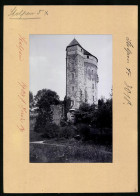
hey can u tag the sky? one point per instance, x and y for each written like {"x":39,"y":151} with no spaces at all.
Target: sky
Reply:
{"x":48,"y":61}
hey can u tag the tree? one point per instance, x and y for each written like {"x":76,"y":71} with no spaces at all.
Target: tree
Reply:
{"x":31,"y":99}
{"x":85,"y":113}
{"x":111,"y":94}
{"x":104,"y":114}
{"x":67,"y":105}
{"x":39,"y":94}
{"x":100,"y":116}
{"x":44,"y":99}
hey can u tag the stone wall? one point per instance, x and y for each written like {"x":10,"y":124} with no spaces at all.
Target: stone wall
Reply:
{"x":58,"y":113}
{"x":72,"y":76}
{"x":91,"y":82}
{"x":81,"y":82}
{"x":81,"y":76}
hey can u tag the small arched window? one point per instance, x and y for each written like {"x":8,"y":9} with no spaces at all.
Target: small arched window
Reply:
{"x":72,"y":76}
{"x":89,"y":74}
{"x":72,"y":88}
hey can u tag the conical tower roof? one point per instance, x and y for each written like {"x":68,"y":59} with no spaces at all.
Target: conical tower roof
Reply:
{"x":73,"y":43}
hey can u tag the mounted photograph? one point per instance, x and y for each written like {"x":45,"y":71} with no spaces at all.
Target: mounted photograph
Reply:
{"x":70,"y":99}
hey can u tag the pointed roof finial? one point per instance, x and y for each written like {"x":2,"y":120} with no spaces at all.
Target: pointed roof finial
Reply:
{"x":74,"y":42}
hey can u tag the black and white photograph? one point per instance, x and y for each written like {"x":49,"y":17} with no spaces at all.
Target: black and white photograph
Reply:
{"x":70,"y":98}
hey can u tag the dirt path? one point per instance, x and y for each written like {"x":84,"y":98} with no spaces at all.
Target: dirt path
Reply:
{"x":62,"y":145}
{"x":42,"y":142}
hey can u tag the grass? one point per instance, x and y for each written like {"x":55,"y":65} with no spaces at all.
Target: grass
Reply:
{"x":69,"y":151}
{"x":97,"y":149}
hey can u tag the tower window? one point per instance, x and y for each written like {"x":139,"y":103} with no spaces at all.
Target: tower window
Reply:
{"x":93,"y":98}
{"x":72,"y":88}
{"x":92,"y":75}
{"x":87,"y":57}
{"x":72,"y":76}
{"x":89,"y":74}
{"x":92,"y":86}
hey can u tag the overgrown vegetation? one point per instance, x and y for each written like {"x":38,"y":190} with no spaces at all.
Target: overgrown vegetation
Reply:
{"x":87,"y":117}
{"x":89,"y":139}
{"x":96,"y":116}
{"x":44,"y":100}
{"x":69,"y":151}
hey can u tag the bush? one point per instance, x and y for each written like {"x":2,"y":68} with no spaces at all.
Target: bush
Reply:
{"x":63,"y":123}
{"x":50,"y":130}
{"x":68,"y":132}
{"x":104,"y":115}
{"x":84,"y":131}
{"x":83,"y":114}
{"x":100,"y":117}
{"x":53,"y":131}
{"x":45,"y":98}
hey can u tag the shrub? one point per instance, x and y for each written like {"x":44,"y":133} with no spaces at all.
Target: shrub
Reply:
{"x":63,"y":123}
{"x":84,"y":131}
{"x":50,"y":130}
{"x":104,"y":114}
{"x":83,"y":115}
{"x":68,"y":132}
{"x":45,"y":98}
{"x":100,"y":117}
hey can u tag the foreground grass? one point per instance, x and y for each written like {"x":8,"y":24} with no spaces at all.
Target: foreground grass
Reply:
{"x":69,"y":151}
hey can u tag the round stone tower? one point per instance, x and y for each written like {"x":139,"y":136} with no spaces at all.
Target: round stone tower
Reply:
{"x":81,"y":75}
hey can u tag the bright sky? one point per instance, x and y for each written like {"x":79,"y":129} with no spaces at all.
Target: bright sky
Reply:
{"x":48,"y":61}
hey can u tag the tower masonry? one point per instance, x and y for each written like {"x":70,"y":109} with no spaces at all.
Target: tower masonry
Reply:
{"x":81,"y":75}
